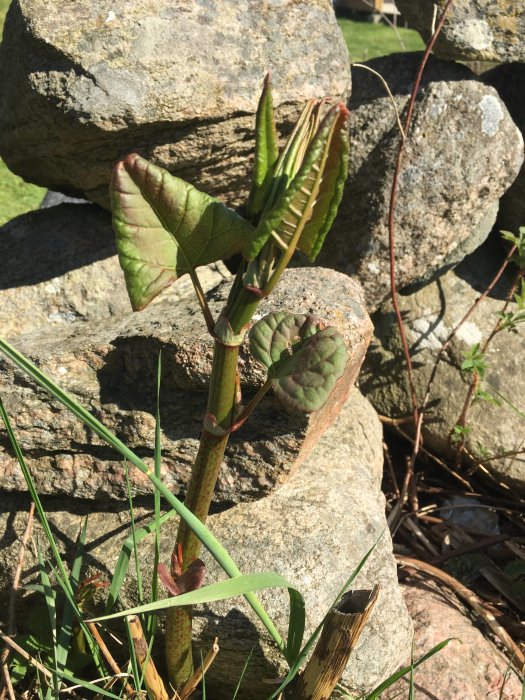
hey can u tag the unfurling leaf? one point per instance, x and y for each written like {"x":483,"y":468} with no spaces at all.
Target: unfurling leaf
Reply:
{"x":166,"y":227}
{"x":304,"y":359}
{"x":190,"y":580}
{"x":317,"y":161}
{"x":266,"y":152}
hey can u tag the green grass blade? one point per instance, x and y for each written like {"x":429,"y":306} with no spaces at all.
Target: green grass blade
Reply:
{"x":508,"y":402}
{"x":121,"y":567}
{"x":221,"y":590}
{"x":296,"y":625}
{"x":203,"y":683}
{"x":243,"y":673}
{"x":61,"y":573}
{"x":49,"y":596}
{"x":92,"y":687}
{"x":411,"y":689}
{"x":296,"y":664}
{"x":151,"y":625}
{"x":376,"y":693}
{"x":33,"y":493}
{"x":66,"y":628}
{"x":138,"y":676}
{"x":71,"y":601}
{"x":138,"y":573}
{"x":211,"y":543}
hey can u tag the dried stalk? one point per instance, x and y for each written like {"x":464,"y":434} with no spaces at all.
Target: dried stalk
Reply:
{"x":341,"y":631}
{"x":12,"y":602}
{"x":201,"y":671}
{"x":109,"y":658}
{"x":153,"y":681}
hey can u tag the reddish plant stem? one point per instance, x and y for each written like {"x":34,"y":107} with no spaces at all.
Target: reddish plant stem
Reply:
{"x":465,"y":318}
{"x":392,"y":209}
{"x":463,"y":417}
{"x":417,"y":414}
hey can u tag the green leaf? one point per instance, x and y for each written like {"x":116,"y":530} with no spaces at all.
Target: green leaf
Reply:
{"x":303,"y":215}
{"x":233,"y":587}
{"x":266,"y":151}
{"x":166,"y":228}
{"x":304,"y":359}
{"x":220,"y":590}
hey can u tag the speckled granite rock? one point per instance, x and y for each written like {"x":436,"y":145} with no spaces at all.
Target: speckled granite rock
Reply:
{"x":67,"y":271}
{"x":469,"y":667}
{"x":430,"y":315}
{"x":85,"y":83}
{"x":314,"y":530}
{"x":110,"y":366}
{"x":475,"y":30}
{"x":509,"y":81}
{"x":464,"y":151}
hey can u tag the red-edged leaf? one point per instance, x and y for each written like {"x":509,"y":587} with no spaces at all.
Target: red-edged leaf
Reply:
{"x":165,"y":227}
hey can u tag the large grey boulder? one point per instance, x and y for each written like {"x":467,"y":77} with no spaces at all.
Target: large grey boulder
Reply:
{"x":496,"y":430}
{"x":314,"y":531}
{"x":509,"y":81}
{"x":84,"y":83}
{"x":67,"y":271}
{"x":462,"y":153}
{"x":110,"y":366}
{"x":475,"y":30}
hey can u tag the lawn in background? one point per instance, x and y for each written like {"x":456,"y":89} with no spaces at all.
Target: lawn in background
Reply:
{"x":366,"y":40}
{"x":16,"y":196}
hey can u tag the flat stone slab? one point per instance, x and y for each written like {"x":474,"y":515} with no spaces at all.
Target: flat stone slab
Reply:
{"x":110,"y":367}
{"x":314,"y":531}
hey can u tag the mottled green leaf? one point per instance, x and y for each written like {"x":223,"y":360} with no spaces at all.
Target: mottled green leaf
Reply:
{"x":303,"y":358}
{"x":266,"y":152}
{"x":303,"y":214}
{"x":166,"y":228}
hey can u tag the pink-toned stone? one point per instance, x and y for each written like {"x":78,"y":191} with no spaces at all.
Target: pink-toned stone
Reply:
{"x":473,"y":669}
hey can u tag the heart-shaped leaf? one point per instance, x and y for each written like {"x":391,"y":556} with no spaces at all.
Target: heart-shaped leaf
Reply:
{"x":304,"y":359}
{"x":302,"y":216}
{"x":166,"y":227}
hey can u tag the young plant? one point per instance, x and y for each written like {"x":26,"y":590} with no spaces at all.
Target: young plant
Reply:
{"x":166,"y":228}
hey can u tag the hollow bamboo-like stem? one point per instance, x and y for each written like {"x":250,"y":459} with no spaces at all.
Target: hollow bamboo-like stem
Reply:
{"x":222,"y":401}
{"x":339,"y":636}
